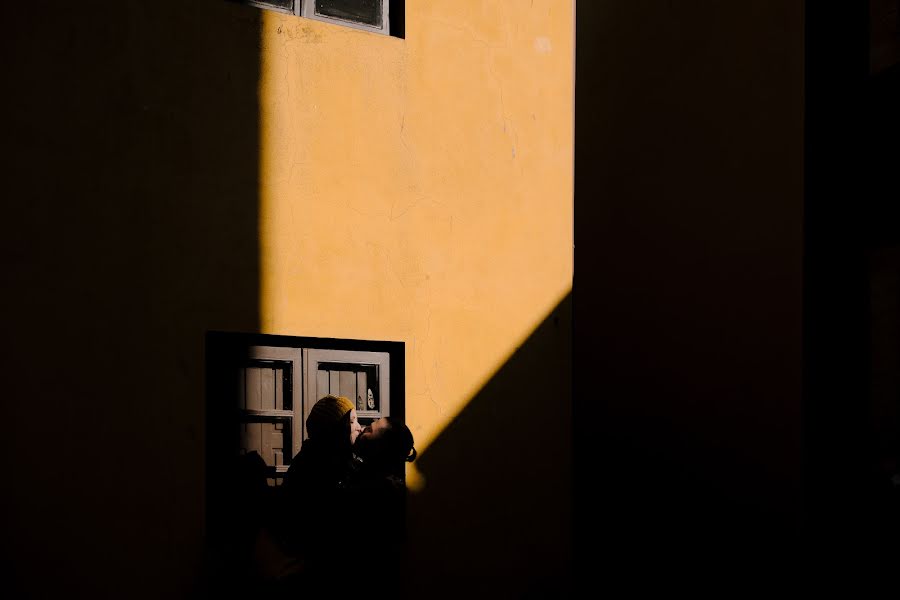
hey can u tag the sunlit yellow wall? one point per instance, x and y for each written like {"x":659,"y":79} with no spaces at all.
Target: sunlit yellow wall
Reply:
{"x":419,"y":189}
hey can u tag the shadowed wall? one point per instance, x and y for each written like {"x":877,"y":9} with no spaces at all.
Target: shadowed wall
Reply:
{"x":130,"y":229}
{"x":688,"y":306}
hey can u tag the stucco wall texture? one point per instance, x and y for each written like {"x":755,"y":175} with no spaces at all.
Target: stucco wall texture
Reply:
{"x":420,"y":189}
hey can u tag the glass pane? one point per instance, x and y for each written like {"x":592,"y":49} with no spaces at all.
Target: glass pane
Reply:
{"x":358,"y":11}
{"x":288,"y":4}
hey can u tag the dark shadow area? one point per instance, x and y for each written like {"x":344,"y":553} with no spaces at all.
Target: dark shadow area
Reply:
{"x":495,"y":515}
{"x":688,"y":292}
{"x":881,"y":211}
{"x":882,"y":247}
{"x":735,"y":292}
{"x":397,"y":14}
{"x":835,"y":294}
{"x":130,"y":230}
{"x":851,"y":303}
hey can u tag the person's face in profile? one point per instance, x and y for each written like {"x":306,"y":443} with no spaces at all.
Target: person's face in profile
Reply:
{"x":355,"y":427}
{"x":372,"y":432}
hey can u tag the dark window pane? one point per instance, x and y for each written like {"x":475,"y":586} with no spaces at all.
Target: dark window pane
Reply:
{"x":288,"y":4}
{"x":358,"y":11}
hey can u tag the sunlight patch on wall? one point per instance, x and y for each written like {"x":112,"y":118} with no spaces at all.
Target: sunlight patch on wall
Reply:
{"x":418,"y":190}
{"x":466,"y":388}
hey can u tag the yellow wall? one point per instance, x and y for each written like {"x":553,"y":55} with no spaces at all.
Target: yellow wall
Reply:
{"x":419,"y":190}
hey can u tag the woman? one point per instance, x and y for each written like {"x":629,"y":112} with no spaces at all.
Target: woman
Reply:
{"x":325,"y":457}
{"x":305,"y":531}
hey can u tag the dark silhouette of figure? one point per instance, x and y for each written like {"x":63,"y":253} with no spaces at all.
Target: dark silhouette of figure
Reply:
{"x":310,"y":528}
{"x":244,"y":501}
{"x":376,"y":489}
{"x":301,"y":548}
{"x":384,"y":446}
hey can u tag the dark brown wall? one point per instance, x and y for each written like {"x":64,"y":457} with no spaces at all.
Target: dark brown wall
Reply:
{"x":688,"y":304}
{"x":130,"y":229}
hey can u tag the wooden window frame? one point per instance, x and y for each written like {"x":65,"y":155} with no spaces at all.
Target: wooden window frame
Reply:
{"x":304,"y":368}
{"x":226,"y":351}
{"x":295,"y":357}
{"x":313,"y":356}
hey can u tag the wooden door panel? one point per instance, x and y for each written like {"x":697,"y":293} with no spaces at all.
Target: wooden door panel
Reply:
{"x":350,"y":374}
{"x":281,"y":403}
{"x":267,"y":399}
{"x":253,"y":389}
{"x":347,"y":380}
{"x":334,"y":383}
{"x":361,"y":386}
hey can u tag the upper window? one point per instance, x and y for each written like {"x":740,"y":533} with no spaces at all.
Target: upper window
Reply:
{"x":370,"y":15}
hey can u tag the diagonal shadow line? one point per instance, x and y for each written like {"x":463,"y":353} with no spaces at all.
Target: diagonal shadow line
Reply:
{"x":496,"y":509}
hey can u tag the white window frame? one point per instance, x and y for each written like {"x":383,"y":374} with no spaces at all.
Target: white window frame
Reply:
{"x":307,"y":10}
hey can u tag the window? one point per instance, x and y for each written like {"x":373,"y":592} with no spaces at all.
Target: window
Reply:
{"x":378,"y":16}
{"x":267,"y":393}
{"x":364,"y":377}
{"x":259,"y":391}
{"x":261,"y":388}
